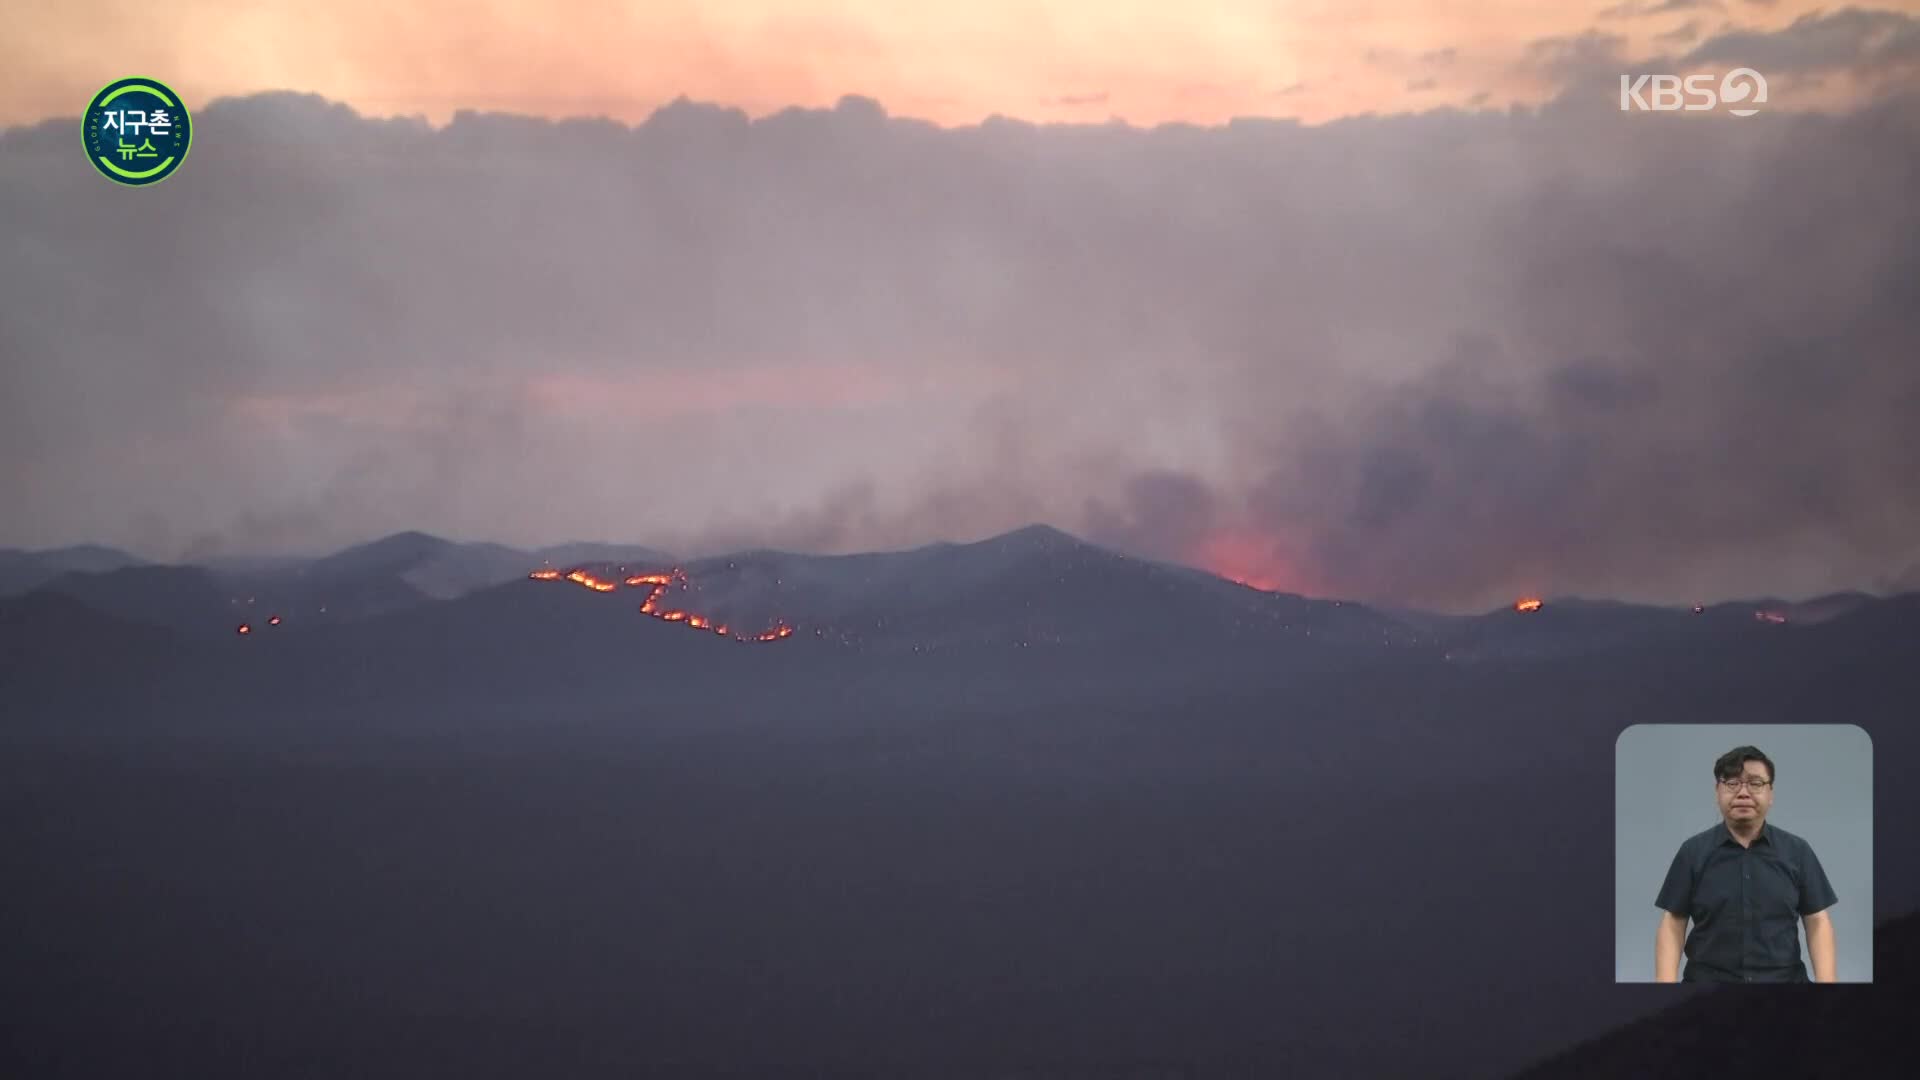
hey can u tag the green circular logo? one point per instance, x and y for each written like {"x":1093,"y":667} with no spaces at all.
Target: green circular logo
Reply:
{"x":136,"y":131}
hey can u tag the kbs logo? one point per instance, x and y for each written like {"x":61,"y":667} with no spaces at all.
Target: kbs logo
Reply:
{"x":1695,"y":93}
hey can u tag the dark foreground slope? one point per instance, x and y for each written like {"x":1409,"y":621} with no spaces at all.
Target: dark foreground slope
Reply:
{"x":1840,"y":1031}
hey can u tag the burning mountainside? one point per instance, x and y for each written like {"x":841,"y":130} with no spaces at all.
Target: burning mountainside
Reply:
{"x":1527,"y":603}
{"x":658,"y":586}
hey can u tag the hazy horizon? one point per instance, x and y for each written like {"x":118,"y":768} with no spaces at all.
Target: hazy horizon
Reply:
{"x":534,"y":549}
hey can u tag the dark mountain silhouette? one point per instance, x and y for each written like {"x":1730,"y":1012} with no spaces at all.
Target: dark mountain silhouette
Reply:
{"x":436,"y":567}
{"x":54,"y":646}
{"x":386,"y":575}
{"x":23,"y":570}
{"x":1036,"y":587}
{"x":1571,"y":626}
{"x":1831,"y":606}
{"x":46,"y":626}
{"x":1017,"y":617}
{"x":388,"y":556}
{"x":185,"y":598}
{"x":200,"y":602}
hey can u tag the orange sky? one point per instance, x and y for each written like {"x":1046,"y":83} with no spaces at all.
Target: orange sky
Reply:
{"x":952,"y":61}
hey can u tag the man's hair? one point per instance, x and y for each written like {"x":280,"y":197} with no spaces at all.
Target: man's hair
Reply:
{"x":1734,"y":762}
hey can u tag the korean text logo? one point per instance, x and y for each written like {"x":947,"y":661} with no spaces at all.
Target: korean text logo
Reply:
{"x":136,"y":131}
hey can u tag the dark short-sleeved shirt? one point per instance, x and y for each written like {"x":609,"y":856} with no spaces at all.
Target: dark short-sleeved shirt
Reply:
{"x":1746,"y":904}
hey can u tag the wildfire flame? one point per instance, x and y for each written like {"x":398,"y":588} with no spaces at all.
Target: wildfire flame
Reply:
{"x":1527,"y":603}
{"x":275,"y":621}
{"x":243,"y":630}
{"x":657,"y":585}
{"x":581,"y":577}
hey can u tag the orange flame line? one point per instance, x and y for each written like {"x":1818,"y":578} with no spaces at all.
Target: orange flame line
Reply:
{"x":657,"y":585}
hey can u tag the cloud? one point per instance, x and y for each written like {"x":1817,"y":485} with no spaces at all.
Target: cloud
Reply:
{"x":1418,"y":85}
{"x":1572,"y":53}
{"x":1854,"y":40}
{"x":1632,"y":10}
{"x":1099,"y":98}
{"x":1870,"y":55}
{"x":1679,"y":35}
{"x":1439,"y":358}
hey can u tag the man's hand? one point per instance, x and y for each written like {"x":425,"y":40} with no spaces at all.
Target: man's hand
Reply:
{"x":1820,"y":947}
{"x":1668,"y":940}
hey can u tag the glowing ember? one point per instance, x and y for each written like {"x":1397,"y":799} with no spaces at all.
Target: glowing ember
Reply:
{"x":275,"y":621}
{"x":1770,"y":617}
{"x":1527,"y":603}
{"x":244,"y":630}
{"x":1697,"y":609}
{"x":544,"y":575}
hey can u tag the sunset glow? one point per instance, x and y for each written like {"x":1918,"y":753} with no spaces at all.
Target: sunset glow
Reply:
{"x":948,"y":61}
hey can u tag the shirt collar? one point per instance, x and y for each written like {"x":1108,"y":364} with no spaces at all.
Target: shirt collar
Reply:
{"x":1764,"y":836}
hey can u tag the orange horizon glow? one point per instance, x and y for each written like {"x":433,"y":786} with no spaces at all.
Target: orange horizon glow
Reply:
{"x":1247,"y":558}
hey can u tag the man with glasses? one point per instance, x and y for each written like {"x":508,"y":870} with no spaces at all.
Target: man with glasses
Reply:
{"x":1746,"y":885}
